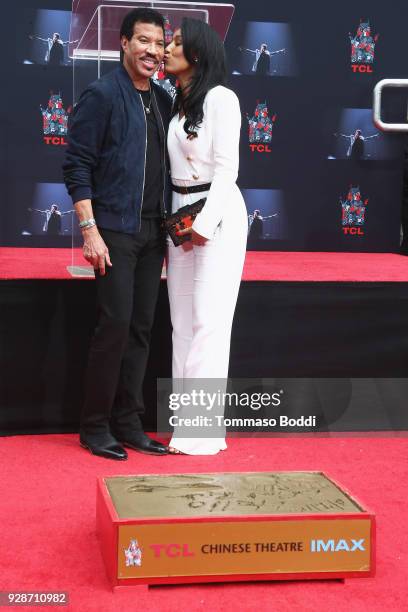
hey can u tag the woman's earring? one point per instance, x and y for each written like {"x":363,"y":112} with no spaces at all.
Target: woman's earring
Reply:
{"x":196,"y":60}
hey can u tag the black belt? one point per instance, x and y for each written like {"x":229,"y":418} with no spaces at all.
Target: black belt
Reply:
{"x":192,"y":189}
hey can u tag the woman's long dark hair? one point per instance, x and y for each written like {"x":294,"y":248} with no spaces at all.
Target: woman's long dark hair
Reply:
{"x":201,"y":43}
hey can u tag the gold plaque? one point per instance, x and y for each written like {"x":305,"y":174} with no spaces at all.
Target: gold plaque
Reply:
{"x":232,"y":526}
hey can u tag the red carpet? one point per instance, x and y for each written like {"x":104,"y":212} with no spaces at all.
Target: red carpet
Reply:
{"x":259,"y":266}
{"x":48,"y":523}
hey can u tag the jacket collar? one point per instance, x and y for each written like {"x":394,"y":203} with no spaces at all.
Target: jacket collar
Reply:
{"x":125,"y":79}
{"x":126,"y":82}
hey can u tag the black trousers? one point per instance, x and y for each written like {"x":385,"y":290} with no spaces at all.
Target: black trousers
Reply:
{"x":126,"y":301}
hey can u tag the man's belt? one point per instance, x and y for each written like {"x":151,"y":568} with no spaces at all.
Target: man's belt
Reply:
{"x":192,"y":189}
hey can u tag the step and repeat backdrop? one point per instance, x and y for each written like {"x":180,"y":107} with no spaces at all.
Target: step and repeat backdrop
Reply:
{"x":315,"y":172}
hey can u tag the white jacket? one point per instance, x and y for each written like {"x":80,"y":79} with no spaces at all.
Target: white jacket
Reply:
{"x":211,"y":157}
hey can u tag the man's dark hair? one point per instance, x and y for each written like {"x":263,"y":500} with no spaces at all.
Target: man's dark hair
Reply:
{"x":139,"y":15}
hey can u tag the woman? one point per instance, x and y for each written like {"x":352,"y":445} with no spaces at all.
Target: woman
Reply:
{"x":204,"y":274}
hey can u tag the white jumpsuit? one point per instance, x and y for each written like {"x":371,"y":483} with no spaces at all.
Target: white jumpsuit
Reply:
{"x":203,"y":281}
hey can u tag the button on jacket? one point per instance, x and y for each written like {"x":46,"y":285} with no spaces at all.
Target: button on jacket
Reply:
{"x":106,"y":154}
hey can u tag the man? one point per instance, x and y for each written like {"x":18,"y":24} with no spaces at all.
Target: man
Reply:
{"x":117,"y":174}
{"x":53,"y":219}
{"x":256,"y":224}
{"x":355,"y":149}
{"x":55,"y":48}
{"x":262,"y":62}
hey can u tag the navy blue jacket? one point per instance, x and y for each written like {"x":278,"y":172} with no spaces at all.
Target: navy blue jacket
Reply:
{"x":106,"y":154}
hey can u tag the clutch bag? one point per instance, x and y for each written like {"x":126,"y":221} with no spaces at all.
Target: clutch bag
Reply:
{"x":182,"y":219}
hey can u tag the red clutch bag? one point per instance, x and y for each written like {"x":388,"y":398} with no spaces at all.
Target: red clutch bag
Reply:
{"x":182,"y":219}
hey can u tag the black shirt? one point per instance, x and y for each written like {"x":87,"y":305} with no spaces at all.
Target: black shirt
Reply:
{"x":357,"y":150}
{"x":153,"y":187}
{"x":56,"y":56}
{"x":256,"y":230}
{"x":263,"y":64}
{"x":54,"y":223}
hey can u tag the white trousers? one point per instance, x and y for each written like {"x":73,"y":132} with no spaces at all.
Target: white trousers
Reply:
{"x":203,"y":284}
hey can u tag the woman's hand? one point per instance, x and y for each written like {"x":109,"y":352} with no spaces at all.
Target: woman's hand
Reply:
{"x":196,"y":239}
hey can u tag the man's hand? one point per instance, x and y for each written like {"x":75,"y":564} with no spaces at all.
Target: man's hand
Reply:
{"x":95,"y":250}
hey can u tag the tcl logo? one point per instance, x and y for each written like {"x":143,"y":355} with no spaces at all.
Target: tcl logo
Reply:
{"x":260,"y":148}
{"x":55,"y":140}
{"x":353,"y":231}
{"x":361,"y":68}
{"x":172,"y":550}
